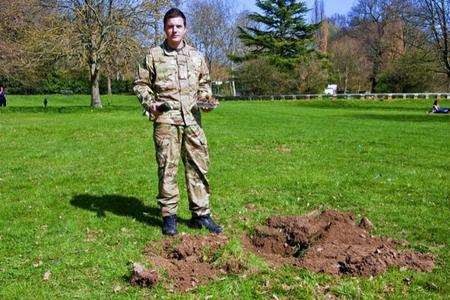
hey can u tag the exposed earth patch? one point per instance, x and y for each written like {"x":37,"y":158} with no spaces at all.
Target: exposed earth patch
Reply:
{"x":331,"y":242}
{"x":326,"y":242}
{"x":188,"y":260}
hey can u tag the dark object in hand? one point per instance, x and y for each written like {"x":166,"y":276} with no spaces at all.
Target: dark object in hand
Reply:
{"x":164,"y":107}
{"x":207,"y":103}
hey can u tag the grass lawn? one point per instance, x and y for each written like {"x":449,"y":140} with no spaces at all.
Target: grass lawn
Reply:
{"x":78,"y":186}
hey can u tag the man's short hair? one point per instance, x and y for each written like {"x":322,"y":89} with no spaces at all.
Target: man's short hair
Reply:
{"x":173,"y":13}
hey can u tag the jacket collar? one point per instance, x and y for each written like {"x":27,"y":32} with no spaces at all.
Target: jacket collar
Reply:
{"x":173,"y":52}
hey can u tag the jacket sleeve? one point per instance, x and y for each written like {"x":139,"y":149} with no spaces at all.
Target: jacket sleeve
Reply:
{"x":204,"y":86}
{"x":144,"y":81}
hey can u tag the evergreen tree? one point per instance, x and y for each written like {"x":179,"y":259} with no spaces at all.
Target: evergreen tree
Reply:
{"x":281,"y":34}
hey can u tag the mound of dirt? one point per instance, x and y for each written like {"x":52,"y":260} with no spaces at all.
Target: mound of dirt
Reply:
{"x":187,"y":259}
{"x":331,"y":242}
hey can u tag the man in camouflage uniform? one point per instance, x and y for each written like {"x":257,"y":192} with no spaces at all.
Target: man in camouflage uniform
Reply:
{"x":174,"y":75}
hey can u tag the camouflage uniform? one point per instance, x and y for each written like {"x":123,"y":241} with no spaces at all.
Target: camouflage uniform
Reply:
{"x":177,"y":78}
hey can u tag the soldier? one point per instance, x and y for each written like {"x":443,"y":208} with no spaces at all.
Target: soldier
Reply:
{"x":174,"y":75}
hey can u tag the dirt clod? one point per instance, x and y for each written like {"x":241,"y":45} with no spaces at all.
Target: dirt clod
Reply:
{"x":188,"y":260}
{"x":331,"y":242}
{"x":143,"y":277}
{"x":366,"y":224}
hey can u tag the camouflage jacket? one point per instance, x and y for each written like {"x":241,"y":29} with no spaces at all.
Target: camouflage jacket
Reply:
{"x":175,"y":77}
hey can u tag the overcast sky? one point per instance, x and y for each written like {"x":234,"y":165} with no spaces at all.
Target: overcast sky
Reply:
{"x":331,"y":6}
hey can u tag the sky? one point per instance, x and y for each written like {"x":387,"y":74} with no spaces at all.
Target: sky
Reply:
{"x":331,"y":6}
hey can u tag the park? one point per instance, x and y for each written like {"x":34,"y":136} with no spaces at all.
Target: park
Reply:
{"x":77,"y":191}
{"x":310,"y":151}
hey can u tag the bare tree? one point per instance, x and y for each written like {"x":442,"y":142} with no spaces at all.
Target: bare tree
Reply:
{"x":33,"y":37}
{"x":434,"y":17}
{"x":369,"y":19}
{"x":211,"y":31}
{"x":350,"y":63}
{"x":153,"y":24}
{"x":98,"y":24}
{"x":121,"y":56}
{"x":323,"y":32}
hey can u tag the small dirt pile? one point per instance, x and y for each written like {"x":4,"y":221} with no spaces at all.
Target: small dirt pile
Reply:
{"x":331,"y":242}
{"x":187,"y":259}
{"x":143,"y":277}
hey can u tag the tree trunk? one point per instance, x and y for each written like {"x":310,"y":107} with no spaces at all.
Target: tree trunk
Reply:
{"x":324,"y":36}
{"x":448,"y":82}
{"x":373,"y":84}
{"x":95,"y":90}
{"x":155,"y":27}
{"x":346,"y":79}
{"x":109,"y":86}
{"x":373,"y":76}
{"x":233,"y":88}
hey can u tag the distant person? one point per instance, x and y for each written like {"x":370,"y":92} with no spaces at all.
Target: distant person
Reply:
{"x":2,"y":96}
{"x":45,"y":103}
{"x":436,"y":109}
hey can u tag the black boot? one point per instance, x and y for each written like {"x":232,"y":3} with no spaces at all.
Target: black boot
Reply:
{"x":170,"y":225}
{"x":205,"y":221}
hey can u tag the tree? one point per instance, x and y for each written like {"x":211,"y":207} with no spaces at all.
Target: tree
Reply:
{"x":409,"y":73}
{"x":284,"y":37}
{"x":122,"y":55}
{"x":210,"y":30}
{"x":312,"y":75}
{"x":434,"y":18}
{"x":32,"y":41}
{"x":98,"y":24}
{"x":319,"y":18}
{"x":260,"y":77}
{"x":369,"y":19}
{"x":350,"y":63}
{"x":384,"y":43}
{"x":155,"y":10}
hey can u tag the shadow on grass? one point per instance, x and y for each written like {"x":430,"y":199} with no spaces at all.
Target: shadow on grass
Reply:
{"x":403,"y":118}
{"x":121,"y":206}
{"x":65,"y":109}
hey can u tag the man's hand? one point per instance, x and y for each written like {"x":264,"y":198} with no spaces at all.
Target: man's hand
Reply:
{"x":154,"y":111}
{"x":207,"y":103}
{"x":154,"y":107}
{"x":157,"y":108}
{"x":207,"y":110}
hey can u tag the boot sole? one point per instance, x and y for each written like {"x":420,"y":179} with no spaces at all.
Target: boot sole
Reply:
{"x":195,"y":225}
{"x":170,"y":233}
{"x":200,"y":226}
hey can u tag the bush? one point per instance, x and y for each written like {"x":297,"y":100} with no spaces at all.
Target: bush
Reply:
{"x":408,"y":74}
{"x":261,"y":77}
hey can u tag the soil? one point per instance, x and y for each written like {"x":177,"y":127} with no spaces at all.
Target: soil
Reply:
{"x":331,"y":242}
{"x":326,"y":242}
{"x":187,"y":260}
{"x":143,"y":277}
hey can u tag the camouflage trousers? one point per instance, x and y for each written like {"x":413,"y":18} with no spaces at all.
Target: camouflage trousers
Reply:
{"x":189,"y":143}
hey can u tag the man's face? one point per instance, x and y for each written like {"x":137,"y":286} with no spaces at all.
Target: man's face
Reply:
{"x":175,"y":30}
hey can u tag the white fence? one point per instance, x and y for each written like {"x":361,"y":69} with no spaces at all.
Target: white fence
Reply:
{"x":367,"y":96}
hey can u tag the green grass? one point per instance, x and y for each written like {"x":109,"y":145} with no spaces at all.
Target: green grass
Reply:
{"x":77,"y":189}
